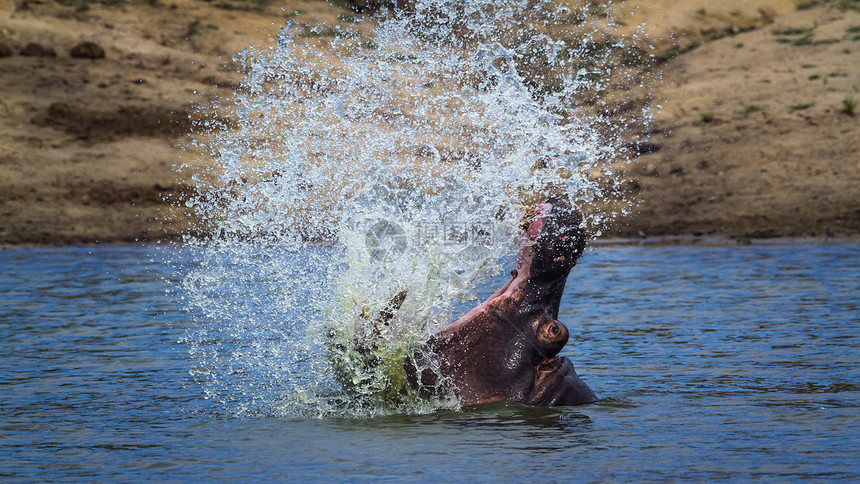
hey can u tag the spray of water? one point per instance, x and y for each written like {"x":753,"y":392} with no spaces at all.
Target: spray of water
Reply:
{"x":371,"y":183}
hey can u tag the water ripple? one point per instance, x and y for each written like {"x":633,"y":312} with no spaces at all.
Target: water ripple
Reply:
{"x":719,"y":363}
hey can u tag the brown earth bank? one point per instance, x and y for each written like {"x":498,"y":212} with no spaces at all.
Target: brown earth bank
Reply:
{"x":754,"y":133}
{"x":757,"y":136}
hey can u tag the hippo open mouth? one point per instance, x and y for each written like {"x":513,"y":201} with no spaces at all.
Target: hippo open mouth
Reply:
{"x":507,"y":347}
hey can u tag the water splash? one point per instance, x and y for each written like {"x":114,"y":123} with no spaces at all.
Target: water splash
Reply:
{"x":371,"y":183}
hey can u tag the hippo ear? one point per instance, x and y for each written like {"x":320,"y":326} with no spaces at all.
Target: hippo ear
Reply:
{"x":557,"y":384}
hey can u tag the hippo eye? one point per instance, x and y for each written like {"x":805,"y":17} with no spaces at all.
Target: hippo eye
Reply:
{"x":552,"y":332}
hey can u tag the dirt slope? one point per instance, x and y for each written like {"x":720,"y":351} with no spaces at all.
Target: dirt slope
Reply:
{"x":755,"y":136}
{"x":751,"y":134}
{"x":89,"y":144}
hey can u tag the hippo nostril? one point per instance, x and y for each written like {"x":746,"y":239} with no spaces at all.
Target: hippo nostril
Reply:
{"x":554,"y":330}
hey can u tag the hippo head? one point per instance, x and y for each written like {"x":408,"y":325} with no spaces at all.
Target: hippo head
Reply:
{"x":507,"y":347}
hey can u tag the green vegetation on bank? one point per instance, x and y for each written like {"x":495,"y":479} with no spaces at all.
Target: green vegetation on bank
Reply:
{"x":837,"y":4}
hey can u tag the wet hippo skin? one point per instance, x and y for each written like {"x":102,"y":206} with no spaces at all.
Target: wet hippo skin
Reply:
{"x":507,"y":347}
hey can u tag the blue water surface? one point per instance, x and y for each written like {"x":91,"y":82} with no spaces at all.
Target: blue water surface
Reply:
{"x":711,"y":363}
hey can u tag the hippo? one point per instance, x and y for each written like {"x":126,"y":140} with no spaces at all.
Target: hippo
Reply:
{"x":507,"y":347}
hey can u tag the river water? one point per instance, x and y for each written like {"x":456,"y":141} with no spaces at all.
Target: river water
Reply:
{"x":711,"y":363}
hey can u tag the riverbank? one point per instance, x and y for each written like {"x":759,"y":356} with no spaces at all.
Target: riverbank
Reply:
{"x":752,"y":137}
{"x":756,"y":137}
{"x":664,"y":241}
